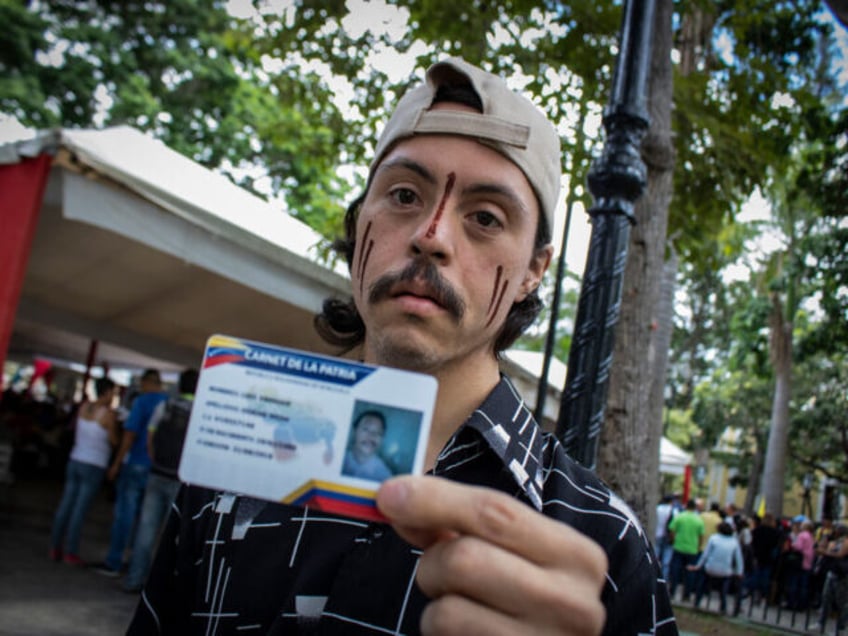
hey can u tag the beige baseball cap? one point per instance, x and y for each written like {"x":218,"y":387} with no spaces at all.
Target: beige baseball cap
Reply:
{"x":510,"y":123}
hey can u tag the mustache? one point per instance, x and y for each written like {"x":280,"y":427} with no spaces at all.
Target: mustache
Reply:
{"x":423,"y":269}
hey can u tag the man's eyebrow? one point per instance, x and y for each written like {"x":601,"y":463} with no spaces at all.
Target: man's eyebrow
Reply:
{"x":497,"y":190}
{"x":408,"y":164}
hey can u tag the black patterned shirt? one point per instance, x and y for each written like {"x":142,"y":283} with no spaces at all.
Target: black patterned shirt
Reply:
{"x":230,"y":564}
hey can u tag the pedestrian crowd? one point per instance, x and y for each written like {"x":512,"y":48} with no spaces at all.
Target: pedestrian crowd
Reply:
{"x":134,"y":449}
{"x":792,"y":562}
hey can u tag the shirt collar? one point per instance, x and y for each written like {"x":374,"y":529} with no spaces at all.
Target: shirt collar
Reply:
{"x":509,"y":429}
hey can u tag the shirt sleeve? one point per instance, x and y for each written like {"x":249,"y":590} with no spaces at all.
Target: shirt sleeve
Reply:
{"x":635,"y":595}
{"x":639,"y":604}
{"x":135,"y":419}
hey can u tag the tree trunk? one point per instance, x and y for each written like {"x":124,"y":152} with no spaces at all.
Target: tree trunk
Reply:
{"x":774,"y":473}
{"x":753,"y":486}
{"x":658,"y":359}
{"x":628,"y":457}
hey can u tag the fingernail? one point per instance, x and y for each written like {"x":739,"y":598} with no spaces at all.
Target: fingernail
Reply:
{"x":392,"y":495}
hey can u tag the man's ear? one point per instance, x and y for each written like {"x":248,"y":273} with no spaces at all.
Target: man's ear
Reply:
{"x":535,"y":270}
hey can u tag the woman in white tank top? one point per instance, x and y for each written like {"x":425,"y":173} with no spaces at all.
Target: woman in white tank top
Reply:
{"x":96,"y":434}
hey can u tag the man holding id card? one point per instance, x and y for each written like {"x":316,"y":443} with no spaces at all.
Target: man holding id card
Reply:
{"x":505,"y":534}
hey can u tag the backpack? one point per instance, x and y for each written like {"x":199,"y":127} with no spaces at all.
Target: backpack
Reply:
{"x":169,"y":436}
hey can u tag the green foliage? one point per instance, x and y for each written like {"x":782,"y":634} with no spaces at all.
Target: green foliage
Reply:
{"x":20,"y":91}
{"x":680,"y":428}
{"x":731,"y":399}
{"x":739,"y":109}
{"x":818,"y":438}
{"x":749,"y":329}
{"x":733,"y":407}
{"x":186,"y":72}
{"x":825,"y":269}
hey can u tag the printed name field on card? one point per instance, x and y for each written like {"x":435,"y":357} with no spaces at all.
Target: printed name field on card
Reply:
{"x":302,"y":428}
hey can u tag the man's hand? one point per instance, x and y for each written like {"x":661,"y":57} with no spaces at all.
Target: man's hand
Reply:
{"x":491,"y":564}
{"x":113,"y":471}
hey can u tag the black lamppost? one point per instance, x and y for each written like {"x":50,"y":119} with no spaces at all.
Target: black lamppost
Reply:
{"x":616,"y":180}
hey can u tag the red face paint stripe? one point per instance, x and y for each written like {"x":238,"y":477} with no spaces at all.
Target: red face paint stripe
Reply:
{"x":362,"y":250}
{"x":497,"y":305}
{"x":431,"y":231}
{"x":495,"y":288}
{"x":365,"y":264}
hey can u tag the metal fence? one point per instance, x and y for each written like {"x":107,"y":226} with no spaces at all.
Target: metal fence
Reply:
{"x":761,"y":612}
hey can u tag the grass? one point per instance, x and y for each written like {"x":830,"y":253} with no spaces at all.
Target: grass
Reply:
{"x":702,"y":623}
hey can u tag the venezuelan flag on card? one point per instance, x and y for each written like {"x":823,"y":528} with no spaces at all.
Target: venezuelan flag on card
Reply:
{"x":302,"y":428}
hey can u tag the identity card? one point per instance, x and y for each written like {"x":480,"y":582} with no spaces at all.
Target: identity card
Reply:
{"x":302,"y":428}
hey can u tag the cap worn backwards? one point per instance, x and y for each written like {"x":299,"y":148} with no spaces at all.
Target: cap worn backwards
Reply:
{"x":510,"y":123}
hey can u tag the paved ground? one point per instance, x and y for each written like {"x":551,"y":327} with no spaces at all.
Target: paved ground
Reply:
{"x":42,"y":598}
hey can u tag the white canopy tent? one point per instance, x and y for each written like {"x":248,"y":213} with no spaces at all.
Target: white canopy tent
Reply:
{"x":149,"y":253}
{"x":673,"y":459}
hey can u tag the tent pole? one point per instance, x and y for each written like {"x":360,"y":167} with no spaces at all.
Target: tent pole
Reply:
{"x":89,"y":362}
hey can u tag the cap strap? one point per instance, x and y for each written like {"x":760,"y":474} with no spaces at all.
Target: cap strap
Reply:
{"x":487,"y":127}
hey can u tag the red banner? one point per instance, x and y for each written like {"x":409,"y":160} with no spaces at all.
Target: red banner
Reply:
{"x":21,"y":190}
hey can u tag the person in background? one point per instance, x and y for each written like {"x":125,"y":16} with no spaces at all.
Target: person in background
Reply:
{"x":165,"y":437}
{"x":835,"y":565}
{"x":662,"y":537}
{"x":687,"y":532}
{"x":711,"y":518}
{"x":96,"y":433}
{"x":798,"y":582}
{"x":824,"y":532}
{"x":765,"y":544}
{"x":822,"y":537}
{"x":721,"y":562}
{"x":743,"y":587}
{"x":732,"y":515}
{"x":131,"y":466}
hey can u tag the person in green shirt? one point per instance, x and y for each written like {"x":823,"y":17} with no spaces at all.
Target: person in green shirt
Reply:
{"x":687,"y":531}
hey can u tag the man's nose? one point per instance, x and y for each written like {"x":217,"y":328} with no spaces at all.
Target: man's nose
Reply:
{"x":435,"y":235}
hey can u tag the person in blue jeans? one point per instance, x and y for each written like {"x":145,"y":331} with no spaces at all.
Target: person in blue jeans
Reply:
{"x":95,"y":435}
{"x":165,"y":437}
{"x":721,"y":562}
{"x":131,"y":466}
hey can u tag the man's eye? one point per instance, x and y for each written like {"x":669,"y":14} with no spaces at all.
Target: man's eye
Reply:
{"x":486,"y":219}
{"x":404,"y":196}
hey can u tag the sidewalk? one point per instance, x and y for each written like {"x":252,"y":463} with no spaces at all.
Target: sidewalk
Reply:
{"x":39,"y":597}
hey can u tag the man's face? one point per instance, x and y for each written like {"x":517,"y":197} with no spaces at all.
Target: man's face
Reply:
{"x":368,"y":436}
{"x":444,"y":247}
